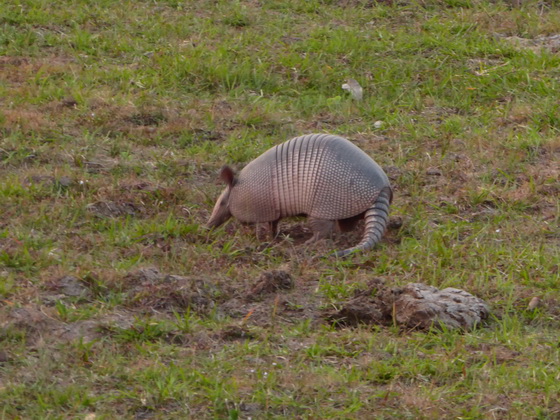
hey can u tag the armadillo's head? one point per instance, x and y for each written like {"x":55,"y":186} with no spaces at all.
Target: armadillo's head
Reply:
{"x":221,"y":212}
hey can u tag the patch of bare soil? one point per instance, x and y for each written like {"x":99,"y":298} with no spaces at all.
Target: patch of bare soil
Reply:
{"x":497,"y":354}
{"x":274,"y":297}
{"x":63,"y":181}
{"x":549,"y":43}
{"x":70,"y":286}
{"x":17,"y":70}
{"x":150,"y":290}
{"x":415,"y":306}
{"x":146,"y":118}
{"x":235,"y":332}
{"x":41,"y":325}
{"x":139,"y":185}
{"x":109,"y":209}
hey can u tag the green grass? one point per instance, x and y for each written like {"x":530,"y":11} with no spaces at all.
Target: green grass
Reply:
{"x":134,"y":106}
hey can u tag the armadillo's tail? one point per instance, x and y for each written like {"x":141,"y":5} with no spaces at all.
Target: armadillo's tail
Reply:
{"x":376,"y":219}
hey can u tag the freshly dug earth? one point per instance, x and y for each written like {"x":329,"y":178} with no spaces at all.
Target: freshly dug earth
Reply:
{"x":416,"y":306}
{"x":275,"y":294}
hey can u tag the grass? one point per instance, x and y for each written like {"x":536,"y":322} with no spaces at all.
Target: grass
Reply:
{"x":115,"y":118}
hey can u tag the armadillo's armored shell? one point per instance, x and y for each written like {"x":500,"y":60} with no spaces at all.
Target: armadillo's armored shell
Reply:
{"x":321,"y":175}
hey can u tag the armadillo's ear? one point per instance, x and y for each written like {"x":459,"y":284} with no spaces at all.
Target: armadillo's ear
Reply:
{"x":227,"y":175}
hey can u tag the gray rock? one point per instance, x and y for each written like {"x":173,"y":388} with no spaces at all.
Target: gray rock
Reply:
{"x":416,"y":306}
{"x":422,"y":306}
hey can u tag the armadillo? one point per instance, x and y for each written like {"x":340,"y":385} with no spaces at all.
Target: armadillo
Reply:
{"x":323,"y":176}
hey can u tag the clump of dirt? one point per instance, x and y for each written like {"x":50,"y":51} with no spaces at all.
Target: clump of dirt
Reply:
{"x":415,"y":306}
{"x":201,"y":135}
{"x":372,"y":305}
{"x":549,"y":43}
{"x":270,"y":282}
{"x":62,"y":181}
{"x":71,"y":286}
{"x":395,"y":222}
{"x":152,"y":290}
{"x":235,"y":332}
{"x":139,"y":186}
{"x":110,"y":209}
{"x":68,"y":102}
{"x":434,"y":172}
{"x":495,"y":353}
{"x":96,"y":166}
{"x":147,"y":118}
{"x":40,"y":326}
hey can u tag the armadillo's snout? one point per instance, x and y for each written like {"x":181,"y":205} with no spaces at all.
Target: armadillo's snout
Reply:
{"x":218,"y":218}
{"x":215,"y":222}
{"x":221,"y":212}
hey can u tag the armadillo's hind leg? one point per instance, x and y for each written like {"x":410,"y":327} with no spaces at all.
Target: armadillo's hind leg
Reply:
{"x":376,"y":219}
{"x":347,"y":225}
{"x":322,"y":228}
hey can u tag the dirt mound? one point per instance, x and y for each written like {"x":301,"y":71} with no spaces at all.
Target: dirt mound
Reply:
{"x":416,"y":306}
{"x":373,"y":305}
{"x":42,"y":326}
{"x":270,"y":282}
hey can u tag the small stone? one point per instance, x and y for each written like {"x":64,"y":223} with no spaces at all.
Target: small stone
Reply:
{"x":395,"y":222}
{"x":534,"y":304}
{"x":354,"y":88}
{"x":378,"y":124}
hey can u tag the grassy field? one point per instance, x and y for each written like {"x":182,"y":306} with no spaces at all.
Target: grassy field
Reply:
{"x":115,"y":117}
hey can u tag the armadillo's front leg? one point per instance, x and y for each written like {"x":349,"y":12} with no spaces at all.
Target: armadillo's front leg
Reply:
{"x":262,"y":229}
{"x":322,"y":228}
{"x":273,"y":227}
